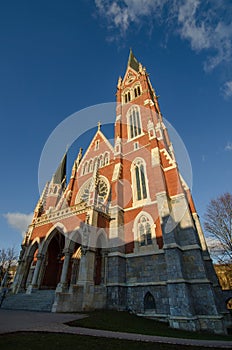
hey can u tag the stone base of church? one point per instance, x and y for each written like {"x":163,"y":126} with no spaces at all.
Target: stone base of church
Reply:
{"x":212,"y":324}
{"x":86,"y":298}
{"x":80,"y":298}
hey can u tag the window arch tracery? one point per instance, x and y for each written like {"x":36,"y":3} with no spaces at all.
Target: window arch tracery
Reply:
{"x":144,"y":233}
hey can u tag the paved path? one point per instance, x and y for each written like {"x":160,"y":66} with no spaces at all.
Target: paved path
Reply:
{"x":14,"y":321}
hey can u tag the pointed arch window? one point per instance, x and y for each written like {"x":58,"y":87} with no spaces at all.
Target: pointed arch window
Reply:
{"x":141,"y":188}
{"x":85,"y":168}
{"x":137,"y":91}
{"x":144,"y":231}
{"x":95,"y":163}
{"x":106,"y":158}
{"x":97,"y":142}
{"x":90,"y":165}
{"x":149,"y":302}
{"x":101,"y":161}
{"x":134,"y":122}
{"x":127,"y":97}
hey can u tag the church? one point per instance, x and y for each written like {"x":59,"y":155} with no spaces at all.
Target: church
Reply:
{"x":123,"y":233}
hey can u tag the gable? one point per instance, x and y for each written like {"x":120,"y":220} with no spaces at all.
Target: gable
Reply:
{"x":98,"y":147}
{"x":130,"y":77}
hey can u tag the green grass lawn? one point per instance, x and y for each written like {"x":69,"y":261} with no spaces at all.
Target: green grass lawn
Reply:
{"x":53,"y":341}
{"x":124,"y":322}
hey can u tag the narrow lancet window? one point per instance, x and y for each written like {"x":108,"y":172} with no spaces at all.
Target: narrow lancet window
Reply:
{"x":134,"y":122}
{"x":144,"y":230}
{"x":139,"y":181}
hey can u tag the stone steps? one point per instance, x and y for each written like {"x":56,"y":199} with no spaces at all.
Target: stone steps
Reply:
{"x":40,"y":300}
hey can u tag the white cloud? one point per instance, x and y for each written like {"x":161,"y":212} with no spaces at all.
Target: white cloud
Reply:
{"x":205,"y":25}
{"x":214,"y":245}
{"x":19,"y":221}
{"x":228,"y":147}
{"x":121,"y":14}
{"x":227,"y":89}
{"x":205,"y":30}
{"x":117,"y":16}
{"x":197,"y":34}
{"x":217,"y":251}
{"x":212,"y":242}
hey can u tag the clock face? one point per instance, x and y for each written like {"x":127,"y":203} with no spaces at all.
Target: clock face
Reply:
{"x":102,"y":190}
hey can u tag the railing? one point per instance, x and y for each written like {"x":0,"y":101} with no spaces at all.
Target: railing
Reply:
{"x":66,"y":212}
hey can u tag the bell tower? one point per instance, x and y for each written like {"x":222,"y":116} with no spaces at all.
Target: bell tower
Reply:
{"x":160,"y":223}
{"x":147,"y":161}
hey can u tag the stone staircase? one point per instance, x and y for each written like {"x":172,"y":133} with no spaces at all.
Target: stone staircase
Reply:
{"x":39,"y":300}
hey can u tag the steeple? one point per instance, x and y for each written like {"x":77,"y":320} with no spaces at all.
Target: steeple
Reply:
{"x":132,"y":62}
{"x":60,"y":175}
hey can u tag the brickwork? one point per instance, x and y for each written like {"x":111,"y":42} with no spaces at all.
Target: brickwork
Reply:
{"x":123,"y":233}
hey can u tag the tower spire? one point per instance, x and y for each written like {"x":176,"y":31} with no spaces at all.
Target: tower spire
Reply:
{"x":59,"y":176}
{"x":132,"y":61}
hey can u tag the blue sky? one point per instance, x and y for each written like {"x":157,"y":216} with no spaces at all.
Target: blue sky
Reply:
{"x":58,"y":57}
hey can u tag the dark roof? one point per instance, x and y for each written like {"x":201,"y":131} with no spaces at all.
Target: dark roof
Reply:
{"x":132,"y":62}
{"x":60,"y":173}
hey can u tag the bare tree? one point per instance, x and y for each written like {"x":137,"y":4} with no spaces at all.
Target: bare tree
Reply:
{"x":218,"y":223}
{"x":8,"y":257}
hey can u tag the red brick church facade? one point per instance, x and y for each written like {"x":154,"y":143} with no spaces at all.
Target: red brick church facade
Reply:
{"x":124,"y":233}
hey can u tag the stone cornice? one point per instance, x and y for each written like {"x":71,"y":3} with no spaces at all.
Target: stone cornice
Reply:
{"x":159,"y":283}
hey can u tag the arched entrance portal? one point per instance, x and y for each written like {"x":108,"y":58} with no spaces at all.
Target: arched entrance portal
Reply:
{"x":53,"y":262}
